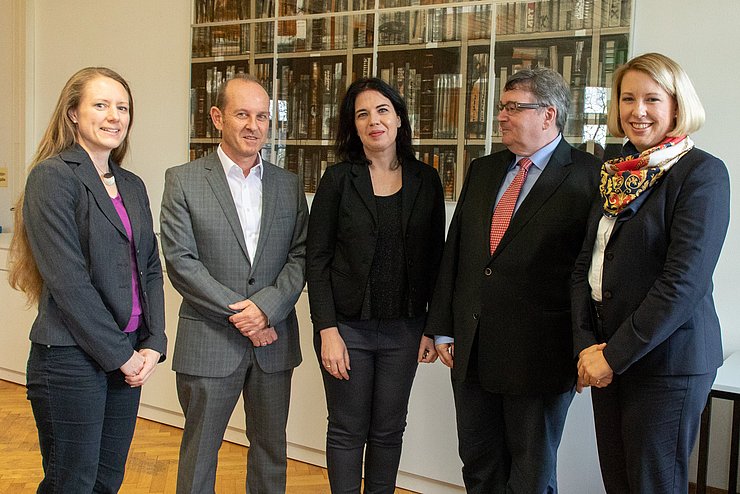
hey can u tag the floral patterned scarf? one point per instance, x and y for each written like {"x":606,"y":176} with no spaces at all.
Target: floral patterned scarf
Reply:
{"x":624,"y":179}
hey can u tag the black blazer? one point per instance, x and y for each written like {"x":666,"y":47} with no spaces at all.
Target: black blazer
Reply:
{"x":83,"y":254}
{"x":658,"y":312}
{"x":517,"y":301}
{"x":342,"y":236}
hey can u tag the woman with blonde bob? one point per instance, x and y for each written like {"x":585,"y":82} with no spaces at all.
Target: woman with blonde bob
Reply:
{"x":645,"y":327}
{"x":84,"y":251}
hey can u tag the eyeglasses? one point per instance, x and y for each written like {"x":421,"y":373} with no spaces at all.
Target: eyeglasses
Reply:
{"x":515,"y":106}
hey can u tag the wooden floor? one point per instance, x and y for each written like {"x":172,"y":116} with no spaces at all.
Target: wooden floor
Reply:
{"x":152,"y":461}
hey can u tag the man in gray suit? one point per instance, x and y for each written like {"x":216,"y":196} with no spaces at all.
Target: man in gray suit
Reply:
{"x":233,"y":235}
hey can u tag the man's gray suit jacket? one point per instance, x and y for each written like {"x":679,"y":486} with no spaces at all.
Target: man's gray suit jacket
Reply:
{"x":208,"y":264}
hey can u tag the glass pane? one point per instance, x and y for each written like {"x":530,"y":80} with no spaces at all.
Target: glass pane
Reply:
{"x":362,"y":66}
{"x":220,"y":10}
{"x":205,"y":79}
{"x":264,"y":37}
{"x":362,"y":30}
{"x":430,"y":81}
{"x":548,"y":16}
{"x":315,"y":34}
{"x":219,"y":41}
{"x":309,"y":93}
{"x":569,"y":56}
{"x":616,"y":13}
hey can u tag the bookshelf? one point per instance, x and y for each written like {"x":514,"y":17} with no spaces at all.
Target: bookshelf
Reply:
{"x":447,"y":58}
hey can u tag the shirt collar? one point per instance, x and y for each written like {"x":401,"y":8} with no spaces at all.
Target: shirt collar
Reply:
{"x":229,"y":165}
{"x":541,"y":158}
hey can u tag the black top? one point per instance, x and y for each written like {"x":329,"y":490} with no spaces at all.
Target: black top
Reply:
{"x":342,"y":241}
{"x":388,"y":291}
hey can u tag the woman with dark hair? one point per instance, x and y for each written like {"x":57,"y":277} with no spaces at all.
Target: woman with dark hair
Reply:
{"x":375,"y":239}
{"x":645,"y":328}
{"x":84,"y":250}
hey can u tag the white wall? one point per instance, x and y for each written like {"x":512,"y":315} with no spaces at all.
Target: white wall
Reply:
{"x":148,"y":42}
{"x":702,"y":37}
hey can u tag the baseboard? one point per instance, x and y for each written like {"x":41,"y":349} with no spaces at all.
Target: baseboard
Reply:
{"x":710,"y":489}
{"x":13,"y":376}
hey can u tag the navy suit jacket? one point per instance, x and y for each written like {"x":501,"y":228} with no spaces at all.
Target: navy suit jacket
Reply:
{"x":83,"y":254}
{"x":658,"y":312}
{"x":516,"y":300}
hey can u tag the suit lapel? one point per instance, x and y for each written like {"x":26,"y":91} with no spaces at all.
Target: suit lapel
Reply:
{"x":411,"y":177}
{"x":554,"y":174}
{"x":88,"y":175}
{"x":269,"y":206}
{"x":216,"y":178}
{"x":364,"y":186}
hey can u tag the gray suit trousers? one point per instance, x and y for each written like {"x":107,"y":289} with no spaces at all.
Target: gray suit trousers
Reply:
{"x":208,"y":403}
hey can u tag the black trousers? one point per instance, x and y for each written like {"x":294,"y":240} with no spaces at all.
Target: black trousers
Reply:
{"x":508,"y":443}
{"x":367,"y":413}
{"x":646,"y":427}
{"x":85,"y":419}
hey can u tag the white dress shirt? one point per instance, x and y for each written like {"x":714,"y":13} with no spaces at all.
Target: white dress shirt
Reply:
{"x":247,"y":195}
{"x":596,"y":271}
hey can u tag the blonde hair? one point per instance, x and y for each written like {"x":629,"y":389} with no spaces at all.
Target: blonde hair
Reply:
{"x":60,"y":135}
{"x":673,"y":79}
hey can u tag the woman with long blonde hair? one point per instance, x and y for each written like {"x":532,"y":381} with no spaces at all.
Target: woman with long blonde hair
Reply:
{"x":84,"y":251}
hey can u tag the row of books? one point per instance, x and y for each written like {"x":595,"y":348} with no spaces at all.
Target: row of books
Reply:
{"x":326,"y":33}
{"x":308,"y":162}
{"x":432,"y":98}
{"x":477,"y":95}
{"x":445,"y":162}
{"x":420,"y":26}
{"x":215,"y":41}
{"x":311,"y":100}
{"x":616,"y":13}
{"x":203,"y":97}
{"x":513,"y":17}
{"x":552,"y":15}
{"x":297,"y":7}
{"x":230,"y":10}
{"x":205,"y":84}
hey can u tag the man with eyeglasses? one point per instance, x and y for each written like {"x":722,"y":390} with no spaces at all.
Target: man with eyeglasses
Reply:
{"x":501,"y":305}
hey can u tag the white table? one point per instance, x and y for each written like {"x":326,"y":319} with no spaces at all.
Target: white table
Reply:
{"x":727,"y":387}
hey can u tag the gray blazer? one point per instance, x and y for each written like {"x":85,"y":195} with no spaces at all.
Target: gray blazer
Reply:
{"x":207,"y":262}
{"x":83,"y":254}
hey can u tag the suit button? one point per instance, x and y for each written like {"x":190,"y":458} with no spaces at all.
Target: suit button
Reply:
{"x":411,"y":263}
{"x":251,"y":281}
{"x":487,"y":271}
{"x":609,"y":256}
{"x":607,"y":294}
{"x":476,"y":316}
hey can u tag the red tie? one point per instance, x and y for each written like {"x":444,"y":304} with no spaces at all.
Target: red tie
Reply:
{"x":505,"y":207}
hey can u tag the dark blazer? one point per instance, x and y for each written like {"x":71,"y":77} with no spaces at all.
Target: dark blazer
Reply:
{"x":83,"y":254}
{"x":342,"y":236}
{"x":517,"y":301}
{"x":209,"y":265}
{"x":658,"y":312}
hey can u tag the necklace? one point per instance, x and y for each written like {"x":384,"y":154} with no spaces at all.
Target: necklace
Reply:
{"x":107,"y":177}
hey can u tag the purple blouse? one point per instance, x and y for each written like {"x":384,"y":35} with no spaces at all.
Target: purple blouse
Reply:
{"x":134,"y":320}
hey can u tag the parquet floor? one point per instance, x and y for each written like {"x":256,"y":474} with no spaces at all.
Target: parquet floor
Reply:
{"x":152,"y":461}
